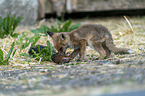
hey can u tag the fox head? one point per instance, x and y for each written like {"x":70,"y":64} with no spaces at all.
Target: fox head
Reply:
{"x":60,"y":41}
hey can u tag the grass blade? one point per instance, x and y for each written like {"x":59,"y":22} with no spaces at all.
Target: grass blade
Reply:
{"x":50,"y":48}
{"x":14,"y":52}
{"x":10,"y":52}
{"x":129,"y":23}
{"x":1,"y":56}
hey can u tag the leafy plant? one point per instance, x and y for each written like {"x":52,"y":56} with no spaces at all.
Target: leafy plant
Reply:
{"x":11,"y":52}
{"x":33,"y":40}
{"x":8,"y":25}
{"x":45,"y":54}
{"x":60,"y":27}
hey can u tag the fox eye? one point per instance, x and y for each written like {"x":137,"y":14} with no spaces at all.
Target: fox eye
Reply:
{"x":63,"y":37}
{"x":60,"y":49}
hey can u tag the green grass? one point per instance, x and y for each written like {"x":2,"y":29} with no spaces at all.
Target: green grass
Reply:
{"x":8,"y":25}
{"x":10,"y":53}
{"x":24,"y":41}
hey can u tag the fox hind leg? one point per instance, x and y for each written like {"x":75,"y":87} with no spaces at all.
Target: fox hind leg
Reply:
{"x":99,"y":48}
{"x":108,"y":52}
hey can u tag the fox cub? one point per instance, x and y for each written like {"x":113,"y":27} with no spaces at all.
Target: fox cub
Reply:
{"x":96,"y":36}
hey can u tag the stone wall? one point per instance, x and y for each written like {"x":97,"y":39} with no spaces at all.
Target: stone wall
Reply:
{"x":93,"y":5}
{"x":25,"y":8}
{"x":98,"y":5}
{"x":29,"y":8}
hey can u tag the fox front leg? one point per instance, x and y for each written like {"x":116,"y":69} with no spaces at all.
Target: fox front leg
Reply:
{"x":82,"y":49}
{"x":75,"y":53}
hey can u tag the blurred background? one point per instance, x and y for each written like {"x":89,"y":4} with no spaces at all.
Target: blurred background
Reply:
{"x":33,"y":10}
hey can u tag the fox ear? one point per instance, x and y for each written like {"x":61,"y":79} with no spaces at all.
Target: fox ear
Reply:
{"x":63,"y":37}
{"x":50,"y":33}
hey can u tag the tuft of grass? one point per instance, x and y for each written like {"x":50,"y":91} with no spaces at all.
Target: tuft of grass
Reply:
{"x":8,"y":26}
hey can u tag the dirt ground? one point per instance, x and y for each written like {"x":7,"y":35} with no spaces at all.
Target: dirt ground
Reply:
{"x":118,"y":74}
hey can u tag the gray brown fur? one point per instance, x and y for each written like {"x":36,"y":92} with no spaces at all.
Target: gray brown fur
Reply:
{"x":96,"y":36}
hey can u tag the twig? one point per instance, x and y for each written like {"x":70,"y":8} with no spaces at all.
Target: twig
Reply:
{"x":129,"y":23}
{"x":39,"y":60}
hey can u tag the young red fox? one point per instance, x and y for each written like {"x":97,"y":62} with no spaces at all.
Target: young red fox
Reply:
{"x":96,"y":36}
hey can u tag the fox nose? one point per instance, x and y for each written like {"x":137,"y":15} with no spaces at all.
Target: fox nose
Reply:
{"x":62,"y":53}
